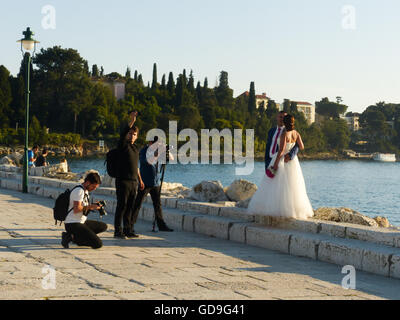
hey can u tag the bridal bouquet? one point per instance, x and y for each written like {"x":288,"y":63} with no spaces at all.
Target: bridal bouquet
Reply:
{"x":271,"y":172}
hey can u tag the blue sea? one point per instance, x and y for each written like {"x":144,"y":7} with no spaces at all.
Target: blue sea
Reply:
{"x":372,"y":188}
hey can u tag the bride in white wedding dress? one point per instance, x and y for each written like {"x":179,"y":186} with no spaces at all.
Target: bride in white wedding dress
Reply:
{"x":285,"y":194}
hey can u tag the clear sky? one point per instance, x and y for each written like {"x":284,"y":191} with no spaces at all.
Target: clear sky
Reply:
{"x":302,"y":50}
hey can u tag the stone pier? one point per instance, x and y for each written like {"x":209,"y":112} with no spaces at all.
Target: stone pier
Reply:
{"x":216,"y":253}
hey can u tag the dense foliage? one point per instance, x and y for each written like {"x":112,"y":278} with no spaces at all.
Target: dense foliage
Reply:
{"x":69,"y":103}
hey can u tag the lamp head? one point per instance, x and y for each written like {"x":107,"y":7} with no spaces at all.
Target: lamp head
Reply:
{"x":28,"y":43}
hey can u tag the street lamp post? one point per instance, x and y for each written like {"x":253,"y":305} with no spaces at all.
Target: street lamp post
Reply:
{"x":28,"y":44}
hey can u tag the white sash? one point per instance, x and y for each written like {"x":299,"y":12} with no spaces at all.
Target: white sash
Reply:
{"x":271,"y":151}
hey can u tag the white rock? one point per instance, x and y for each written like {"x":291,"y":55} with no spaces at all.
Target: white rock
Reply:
{"x":107,"y":182}
{"x":344,"y":215}
{"x":241,"y":190}
{"x":7,"y":161}
{"x":16,"y":157}
{"x":49,"y":171}
{"x":175,"y":189}
{"x":208,"y":191}
{"x":243,"y":203}
{"x":83,"y":175}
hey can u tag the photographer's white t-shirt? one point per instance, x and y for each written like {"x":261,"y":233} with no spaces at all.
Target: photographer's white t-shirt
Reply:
{"x":77,"y":195}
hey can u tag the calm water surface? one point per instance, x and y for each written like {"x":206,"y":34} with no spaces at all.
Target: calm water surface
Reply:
{"x":372,"y":188}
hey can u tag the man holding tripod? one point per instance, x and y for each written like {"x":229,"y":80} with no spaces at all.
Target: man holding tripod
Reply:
{"x":149,"y":171}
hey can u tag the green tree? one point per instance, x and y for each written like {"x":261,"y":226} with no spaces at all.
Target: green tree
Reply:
{"x":286,"y":105}
{"x":252,"y":99}
{"x":314,"y":139}
{"x":128,"y":73}
{"x":272,"y":109}
{"x":330,"y":109}
{"x":337,"y":134}
{"x":293,"y":107}
{"x":5,"y":97}
{"x":95,"y":71}
{"x":223,"y":93}
{"x":154,"y":84}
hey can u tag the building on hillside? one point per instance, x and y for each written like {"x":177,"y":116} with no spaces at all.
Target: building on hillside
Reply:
{"x":353,"y":121}
{"x":307,"y":108}
{"x":117,"y":86}
{"x":261,"y":99}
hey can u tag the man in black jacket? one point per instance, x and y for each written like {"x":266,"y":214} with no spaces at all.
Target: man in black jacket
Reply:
{"x":149,"y":170}
{"x":127,"y":180}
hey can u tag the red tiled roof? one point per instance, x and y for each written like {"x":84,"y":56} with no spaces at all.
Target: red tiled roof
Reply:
{"x":258,"y":96}
{"x":303,"y":103}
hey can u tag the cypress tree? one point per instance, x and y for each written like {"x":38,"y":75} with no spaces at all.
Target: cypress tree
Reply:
{"x":180,"y":87}
{"x":171,"y":84}
{"x":6,"y":97}
{"x":223,"y":93}
{"x":95,"y":71}
{"x":136,"y":75}
{"x":154,"y":84}
{"x":128,"y":73}
{"x":252,"y":99}
{"x":271,"y":109}
{"x":185,"y":81}
{"x":286,"y":105}
{"x":86,"y":68}
{"x":199,"y":92}
{"x":191,"y":83}
{"x":293,"y":107}
{"x":140,"y":79}
{"x":163,"y":83}
{"x":205,"y":86}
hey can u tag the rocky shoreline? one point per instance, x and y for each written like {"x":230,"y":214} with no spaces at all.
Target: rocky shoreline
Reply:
{"x":59,"y":152}
{"x":87,"y":150}
{"x":238,"y":194}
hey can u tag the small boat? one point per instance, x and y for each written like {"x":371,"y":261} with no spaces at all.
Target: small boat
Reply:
{"x":385,"y":157}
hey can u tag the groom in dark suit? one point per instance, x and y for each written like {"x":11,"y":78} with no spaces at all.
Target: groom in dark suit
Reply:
{"x":272,"y":142}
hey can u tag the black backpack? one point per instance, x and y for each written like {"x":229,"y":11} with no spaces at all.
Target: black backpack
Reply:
{"x":60,"y":210}
{"x":112,"y":163}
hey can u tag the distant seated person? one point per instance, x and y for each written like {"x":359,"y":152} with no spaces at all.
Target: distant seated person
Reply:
{"x":41,"y":160}
{"x":32,"y":154}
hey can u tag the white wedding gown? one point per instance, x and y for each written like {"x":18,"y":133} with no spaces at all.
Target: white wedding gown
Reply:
{"x":285,"y":195}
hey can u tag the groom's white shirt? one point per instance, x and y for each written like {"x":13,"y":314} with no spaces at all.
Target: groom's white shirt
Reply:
{"x":271,"y":150}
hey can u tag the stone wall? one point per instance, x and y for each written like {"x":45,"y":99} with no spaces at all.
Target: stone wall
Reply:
{"x":370,"y":249}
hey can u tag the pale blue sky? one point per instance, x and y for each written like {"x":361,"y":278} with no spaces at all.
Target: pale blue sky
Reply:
{"x":294,"y":49}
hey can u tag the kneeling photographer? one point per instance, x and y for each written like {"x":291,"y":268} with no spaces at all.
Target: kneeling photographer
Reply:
{"x":81,"y":231}
{"x":149,"y":171}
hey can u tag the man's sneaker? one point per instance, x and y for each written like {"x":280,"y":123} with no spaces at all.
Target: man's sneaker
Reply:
{"x":66,"y":238}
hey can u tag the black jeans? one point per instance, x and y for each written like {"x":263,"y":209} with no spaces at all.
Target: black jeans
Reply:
{"x":85,"y":234}
{"x":156,"y":198}
{"x":126,"y":194}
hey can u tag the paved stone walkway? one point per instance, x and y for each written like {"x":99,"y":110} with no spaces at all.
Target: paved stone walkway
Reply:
{"x":178,"y":265}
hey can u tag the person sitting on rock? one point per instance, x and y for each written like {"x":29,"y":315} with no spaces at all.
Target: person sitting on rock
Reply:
{"x":32,"y":156}
{"x":41,"y":160}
